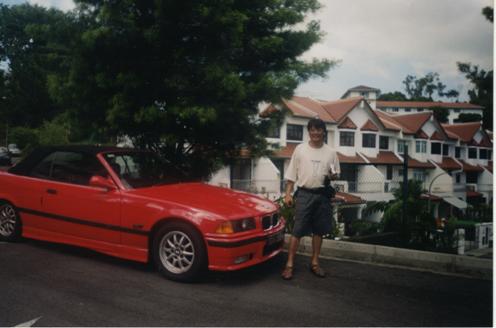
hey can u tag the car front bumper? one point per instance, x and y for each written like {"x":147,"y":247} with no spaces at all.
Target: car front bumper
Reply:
{"x":228,"y":254}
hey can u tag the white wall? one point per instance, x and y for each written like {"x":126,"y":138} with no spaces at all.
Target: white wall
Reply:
{"x":221,"y":178}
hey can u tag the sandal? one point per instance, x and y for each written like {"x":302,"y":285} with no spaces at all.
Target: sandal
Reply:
{"x":317,"y":270}
{"x":287,"y":273}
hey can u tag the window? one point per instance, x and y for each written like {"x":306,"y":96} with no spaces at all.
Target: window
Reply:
{"x":364,"y":94}
{"x":436,"y":148}
{"x":420,"y":109}
{"x":408,"y":110}
{"x":419,"y":175}
{"x":458,"y":178}
{"x":420,"y":146}
{"x":472,"y":177}
{"x":482,"y":153}
{"x":490,"y":154}
{"x":445,"y":150}
{"x":395,"y":109}
{"x":69,"y":167}
{"x":368,"y":140}
{"x":389,"y":172}
{"x":347,"y":138}
{"x":472,"y":152}
{"x":294,"y":132}
{"x":458,"y":152}
{"x":383,"y":142}
{"x":457,"y":110}
{"x":401,"y":146}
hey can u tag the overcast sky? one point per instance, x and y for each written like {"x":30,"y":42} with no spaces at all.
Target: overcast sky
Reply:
{"x":380,"y":42}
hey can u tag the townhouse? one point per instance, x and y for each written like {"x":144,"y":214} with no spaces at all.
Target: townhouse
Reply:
{"x":452,"y":161}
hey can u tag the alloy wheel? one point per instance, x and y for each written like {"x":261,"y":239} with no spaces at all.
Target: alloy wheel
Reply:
{"x":8,"y":219}
{"x":177,"y":252}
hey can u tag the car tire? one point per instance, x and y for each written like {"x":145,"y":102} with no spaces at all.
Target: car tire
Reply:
{"x":179,"y":252}
{"x":10,"y":222}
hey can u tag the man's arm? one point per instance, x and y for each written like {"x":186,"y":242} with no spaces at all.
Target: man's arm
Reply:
{"x":288,"y":197}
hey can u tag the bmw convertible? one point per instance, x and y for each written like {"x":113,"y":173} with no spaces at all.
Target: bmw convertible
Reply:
{"x":131,"y":204}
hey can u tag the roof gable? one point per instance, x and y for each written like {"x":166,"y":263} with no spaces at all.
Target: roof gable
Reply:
{"x":436,"y":136}
{"x":464,"y":131}
{"x":421,"y":135}
{"x":411,"y":123}
{"x":369,"y":126}
{"x":340,"y":108}
{"x":347,"y":124}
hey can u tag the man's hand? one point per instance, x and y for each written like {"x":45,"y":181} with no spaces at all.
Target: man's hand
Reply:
{"x":288,"y":200}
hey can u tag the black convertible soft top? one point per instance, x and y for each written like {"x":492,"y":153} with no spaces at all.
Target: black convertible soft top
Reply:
{"x":31,"y":160}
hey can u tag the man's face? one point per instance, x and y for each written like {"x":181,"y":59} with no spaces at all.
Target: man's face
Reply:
{"x":316,"y":135}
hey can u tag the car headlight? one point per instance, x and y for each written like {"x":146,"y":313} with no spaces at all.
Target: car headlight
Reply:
{"x":236,"y":226}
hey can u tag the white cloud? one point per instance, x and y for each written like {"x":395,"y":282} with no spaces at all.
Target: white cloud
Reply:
{"x":60,"y":4}
{"x":381,"y":41}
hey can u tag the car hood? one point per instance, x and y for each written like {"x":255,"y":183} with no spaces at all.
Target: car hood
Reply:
{"x":216,"y":200}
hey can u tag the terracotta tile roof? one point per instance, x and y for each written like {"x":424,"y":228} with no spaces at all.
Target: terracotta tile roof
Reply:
{"x":449,"y":164}
{"x":346,"y":198}
{"x":415,"y":164}
{"x":437,"y":136}
{"x":421,"y":135}
{"x":426,"y":104}
{"x":485,"y":142}
{"x":338,"y":109}
{"x":286,"y":152}
{"x":270,"y":109}
{"x":471,"y":193}
{"x":385,"y":158}
{"x":307,"y":107}
{"x":463,"y":131}
{"x":347,"y":124}
{"x":412,"y":123}
{"x":369,"y":126}
{"x":350,"y":159}
{"x":432,"y":197}
{"x":387,"y":121}
{"x":471,"y":168}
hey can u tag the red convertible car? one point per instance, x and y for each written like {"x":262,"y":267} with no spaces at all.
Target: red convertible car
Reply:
{"x":128,"y":203}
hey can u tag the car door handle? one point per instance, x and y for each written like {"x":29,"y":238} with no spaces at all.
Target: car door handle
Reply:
{"x":51,"y":191}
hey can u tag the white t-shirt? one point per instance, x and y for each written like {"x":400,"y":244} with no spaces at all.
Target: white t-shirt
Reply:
{"x":309,"y":166}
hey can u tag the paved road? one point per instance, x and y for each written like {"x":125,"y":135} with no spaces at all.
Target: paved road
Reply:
{"x":67,"y":286}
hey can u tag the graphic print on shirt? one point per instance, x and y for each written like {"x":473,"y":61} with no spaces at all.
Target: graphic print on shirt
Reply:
{"x":316,"y":167}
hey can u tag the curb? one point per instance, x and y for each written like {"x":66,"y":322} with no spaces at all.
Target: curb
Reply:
{"x":436,"y":262}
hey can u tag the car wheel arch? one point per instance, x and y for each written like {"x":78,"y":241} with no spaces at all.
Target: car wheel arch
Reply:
{"x":170,"y":221}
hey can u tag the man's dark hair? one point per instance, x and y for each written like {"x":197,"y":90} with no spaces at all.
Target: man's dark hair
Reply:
{"x":316,"y":123}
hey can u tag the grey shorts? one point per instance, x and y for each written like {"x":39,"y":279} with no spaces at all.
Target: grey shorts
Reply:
{"x":313,"y":214}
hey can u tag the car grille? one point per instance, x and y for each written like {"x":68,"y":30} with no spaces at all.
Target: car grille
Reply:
{"x":270,"y":221}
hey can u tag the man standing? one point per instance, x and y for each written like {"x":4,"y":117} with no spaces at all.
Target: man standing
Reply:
{"x":310,"y":164}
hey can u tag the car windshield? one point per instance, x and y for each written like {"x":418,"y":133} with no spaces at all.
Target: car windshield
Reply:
{"x":140,"y":169}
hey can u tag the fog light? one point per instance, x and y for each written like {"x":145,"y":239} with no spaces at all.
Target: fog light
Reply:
{"x":241,"y":259}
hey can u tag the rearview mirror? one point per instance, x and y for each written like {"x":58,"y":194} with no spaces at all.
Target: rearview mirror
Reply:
{"x":101,"y":182}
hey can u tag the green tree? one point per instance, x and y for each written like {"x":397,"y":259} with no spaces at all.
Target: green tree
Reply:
{"x":393,"y":96}
{"x":423,"y":88}
{"x":440,"y":113}
{"x":185,"y":77}
{"x":488,"y":12}
{"x":482,"y":92}
{"x":468,"y":117}
{"x":34,"y":44}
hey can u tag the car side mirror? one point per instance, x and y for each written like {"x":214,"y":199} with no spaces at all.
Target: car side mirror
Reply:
{"x":101,"y":182}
